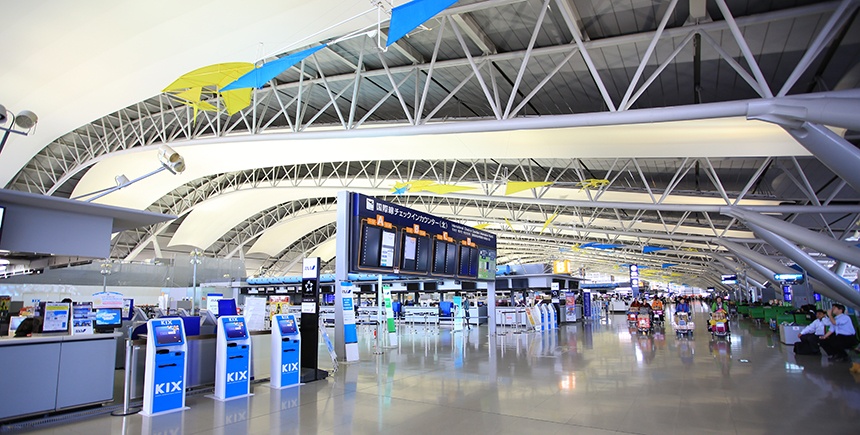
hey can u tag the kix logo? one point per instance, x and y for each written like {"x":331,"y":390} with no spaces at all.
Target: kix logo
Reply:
{"x":289,"y":367}
{"x":237,"y":376}
{"x":168,"y":388}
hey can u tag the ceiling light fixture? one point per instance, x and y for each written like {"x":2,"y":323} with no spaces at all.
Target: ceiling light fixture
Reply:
{"x":170,"y":161}
{"x":25,"y":120}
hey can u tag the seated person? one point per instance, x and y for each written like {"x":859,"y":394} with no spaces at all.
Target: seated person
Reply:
{"x":841,"y":336}
{"x":719,"y":304}
{"x":657,"y":305}
{"x":27,"y":327}
{"x":644,"y":307}
{"x":811,"y":335}
{"x":634,"y":306}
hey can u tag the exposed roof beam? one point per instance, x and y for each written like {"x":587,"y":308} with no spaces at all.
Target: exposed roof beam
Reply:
{"x":406,"y":50}
{"x":571,"y":13}
{"x":474,"y":32}
{"x":341,"y":59}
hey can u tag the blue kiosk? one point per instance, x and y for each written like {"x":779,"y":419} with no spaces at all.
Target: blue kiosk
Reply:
{"x":286,"y":352}
{"x":164,"y":376}
{"x":232,"y":359}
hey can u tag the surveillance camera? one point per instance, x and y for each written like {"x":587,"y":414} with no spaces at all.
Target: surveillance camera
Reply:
{"x":2,"y":114}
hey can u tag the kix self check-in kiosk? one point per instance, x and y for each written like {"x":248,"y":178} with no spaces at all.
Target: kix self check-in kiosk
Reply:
{"x":164,"y":376}
{"x":232,"y":359}
{"x":286,"y":352}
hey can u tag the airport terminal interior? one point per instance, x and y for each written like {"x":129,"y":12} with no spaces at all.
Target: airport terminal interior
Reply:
{"x":395,"y":216}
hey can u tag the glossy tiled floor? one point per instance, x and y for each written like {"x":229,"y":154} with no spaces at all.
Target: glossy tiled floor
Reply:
{"x":594,"y":378}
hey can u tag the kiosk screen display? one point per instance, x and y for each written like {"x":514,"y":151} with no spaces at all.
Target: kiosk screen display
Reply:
{"x":287,"y":325}
{"x":107,"y":318}
{"x":167,"y":335}
{"x":227,"y":307}
{"x":235,"y":330}
{"x":371,"y":238}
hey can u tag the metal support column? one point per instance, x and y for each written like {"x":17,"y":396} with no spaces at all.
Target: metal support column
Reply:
{"x":839,"y":155}
{"x":834,"y":283}
{"x":832,"y":247}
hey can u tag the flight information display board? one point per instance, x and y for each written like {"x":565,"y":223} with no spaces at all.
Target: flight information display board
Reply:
{"x":391,"y":238}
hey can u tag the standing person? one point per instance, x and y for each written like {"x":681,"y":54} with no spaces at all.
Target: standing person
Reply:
{"x":466,"y":311}
{"x":810,"y":336}
{"x":841,"y":335}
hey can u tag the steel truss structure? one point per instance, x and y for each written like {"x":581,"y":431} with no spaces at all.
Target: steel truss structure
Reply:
{"x":503,"y":62}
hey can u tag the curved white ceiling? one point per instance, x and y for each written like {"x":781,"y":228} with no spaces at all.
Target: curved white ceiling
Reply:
{"x":728,"y":137}
{"x":212,"y":218}
{"x":72,"y":62}
{"x":288,"y":231}
{"x":325,"y":250}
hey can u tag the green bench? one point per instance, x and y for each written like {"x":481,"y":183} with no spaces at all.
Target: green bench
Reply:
{"x":757,"y":313}
{"x":801,"y":319}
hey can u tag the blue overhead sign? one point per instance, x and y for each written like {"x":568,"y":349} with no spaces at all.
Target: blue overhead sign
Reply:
{"x":391,"y":238}
{"x":788,"y":277}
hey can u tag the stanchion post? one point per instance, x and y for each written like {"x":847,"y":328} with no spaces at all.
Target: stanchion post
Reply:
{"x":126,"y":391}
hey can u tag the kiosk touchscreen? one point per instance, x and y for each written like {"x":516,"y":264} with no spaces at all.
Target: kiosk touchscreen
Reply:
{"x":164,"y":376}
{"x":232,"y":359}
{"x":286,"y":351}
{"x":551,"y":311}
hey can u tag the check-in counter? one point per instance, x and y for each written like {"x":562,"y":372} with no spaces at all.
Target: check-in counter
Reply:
{"x":327,"y":315}
{"x":511,"y":316}
{"x":618,"y":306}
{"x":367,"y":315}
{"x":43,"y":374}
{"x":416,"y":314}
{"x":201,"y":361}
{"x":478,"y":315}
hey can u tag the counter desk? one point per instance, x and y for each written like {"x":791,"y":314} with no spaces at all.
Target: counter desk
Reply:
{"x":48,"y":373}
{"x":415,"y":314}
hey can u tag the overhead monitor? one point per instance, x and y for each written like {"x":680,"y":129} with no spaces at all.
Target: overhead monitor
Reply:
{"x":166,"y":335}
{"x":55,"y":317}
{"x":371,"y":244}
{"x":108,"y":318}
{"x":235,"y":330}
{"x":439,"y":257}
{"x":386,"y":253}
{"x":392,"y":238}
{"x":287,"y":325}
{"x":729,"y":279}
{"x":486,"y":264}
{"x":788,"y":277}
{"x":450,"y":259}
{"x":415,"y":253}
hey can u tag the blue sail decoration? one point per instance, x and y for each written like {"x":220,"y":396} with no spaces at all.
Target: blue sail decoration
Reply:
{"x":258,"y":77}
{"x":407,"y":17}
